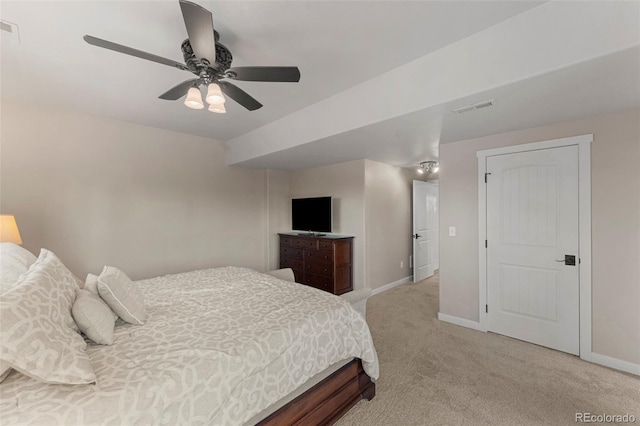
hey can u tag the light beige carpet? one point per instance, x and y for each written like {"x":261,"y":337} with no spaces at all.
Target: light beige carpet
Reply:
{"x":435,"y":373}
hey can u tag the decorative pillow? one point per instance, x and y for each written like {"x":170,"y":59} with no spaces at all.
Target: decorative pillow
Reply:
{"x":36,"y":327}
{"x":4,"y":371}
{"x":91,"y":283}
{"x":94,"y":317}
{"x":122,"y":296}
{"x":285,"y":274}
{"x":14,"y":261}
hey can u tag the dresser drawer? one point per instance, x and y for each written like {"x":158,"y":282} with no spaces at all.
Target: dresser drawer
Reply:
{"x":323,"y":262}
{"x":286,"y":241}
{"x":290,"y":262}
{"x":324,"y":269}
{"x":305,"y":243}
{"x":317,"y":281}
{"x":298,"y":275}
{"x":291,"y":252}
{"x":317,"y":256}
{"x":325,"y":245}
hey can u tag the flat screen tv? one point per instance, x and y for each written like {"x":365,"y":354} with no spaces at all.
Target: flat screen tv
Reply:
{"x":311,"y":214}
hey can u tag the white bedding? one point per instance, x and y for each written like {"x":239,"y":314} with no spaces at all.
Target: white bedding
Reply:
{"x":219,"y":346}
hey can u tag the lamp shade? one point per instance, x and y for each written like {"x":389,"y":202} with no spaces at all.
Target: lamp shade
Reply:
{"x":214,"y":95}
{"x":218,"y":108}
{"x":194,"y":99}
{"x":9,"y":229}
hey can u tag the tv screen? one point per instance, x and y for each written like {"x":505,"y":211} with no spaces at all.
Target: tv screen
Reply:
{"x":311,"y":214}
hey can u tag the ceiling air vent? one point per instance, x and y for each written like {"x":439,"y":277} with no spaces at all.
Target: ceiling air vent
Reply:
{"x":9,"y":31}
{"x":479,"y":105}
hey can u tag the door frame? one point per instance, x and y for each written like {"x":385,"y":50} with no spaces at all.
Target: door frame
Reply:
{"x":584,"y":205}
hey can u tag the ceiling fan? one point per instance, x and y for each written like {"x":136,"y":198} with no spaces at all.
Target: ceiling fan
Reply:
{"x":210,"y":61}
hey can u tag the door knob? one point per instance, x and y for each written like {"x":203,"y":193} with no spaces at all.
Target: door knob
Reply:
{"x":568,"y":260}
{"x":416,"y":236}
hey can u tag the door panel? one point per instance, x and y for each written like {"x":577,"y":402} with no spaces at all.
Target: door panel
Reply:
{"x":425,"y":229}
{"x":532,"y":222}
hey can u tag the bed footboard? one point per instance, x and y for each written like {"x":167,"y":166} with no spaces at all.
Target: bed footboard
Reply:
{"x":327,"y":401}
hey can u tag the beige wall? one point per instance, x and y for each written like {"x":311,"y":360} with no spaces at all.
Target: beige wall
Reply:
{"x":372,"y":202}
{"x":345,"y":183}
{"x":388,"y":222}
{"x":615,"y":174}
{"x":279,"y":212}
{"x":149,"y":201}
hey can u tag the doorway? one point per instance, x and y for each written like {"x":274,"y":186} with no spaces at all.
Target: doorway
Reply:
{"x":426,"y":259}
{"x":535,"y":243}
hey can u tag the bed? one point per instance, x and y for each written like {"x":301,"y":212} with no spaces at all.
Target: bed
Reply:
{"x":223,"y":346}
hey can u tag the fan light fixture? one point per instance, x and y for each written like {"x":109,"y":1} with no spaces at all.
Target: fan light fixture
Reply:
{"x":214,"y":95}
{"x":194,"y":99}
{"x":206,"y":58}
{"x":428,"y":167}
{"x":218,"y":108}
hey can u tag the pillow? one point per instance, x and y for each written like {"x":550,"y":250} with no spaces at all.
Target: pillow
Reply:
{"x":36,"y":334}
{"x":285,"y":274}
{"x":4,"y":371}
{"x":91,"y":283}
{"x":14,"y":261}
{"x":94,"y":317}
{"x":122,"y":296}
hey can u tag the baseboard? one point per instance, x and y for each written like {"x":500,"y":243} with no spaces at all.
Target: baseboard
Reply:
{"x":615,"y":363}
{"x":475,"y":325}
{"x":391,"y":285}
{"x":607,"y":361}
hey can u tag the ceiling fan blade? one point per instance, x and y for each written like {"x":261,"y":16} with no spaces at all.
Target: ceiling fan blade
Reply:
{"x":178,"y":91}
{"x":277,"y":74}
{"x":239,"y":95}
{"x":199,"y":23}
{"x":133,"y":52}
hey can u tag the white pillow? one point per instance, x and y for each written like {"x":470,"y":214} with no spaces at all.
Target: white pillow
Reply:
{"x":36,"y":330}
{"x":122,"y":296}
{"x":4,"y":371}
{"x":94,"y":317}
{"x":14,"y":261}
{"x":285,"y":274}
{"x":91,"y":283}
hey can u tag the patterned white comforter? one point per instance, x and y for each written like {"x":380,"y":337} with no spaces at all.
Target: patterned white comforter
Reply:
{"x":219,"y":346}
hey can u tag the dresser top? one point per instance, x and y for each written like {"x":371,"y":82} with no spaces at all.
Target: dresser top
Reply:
{"x":315,"y":235}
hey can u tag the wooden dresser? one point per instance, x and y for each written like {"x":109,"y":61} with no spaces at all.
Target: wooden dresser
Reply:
{"x":321,"y":262}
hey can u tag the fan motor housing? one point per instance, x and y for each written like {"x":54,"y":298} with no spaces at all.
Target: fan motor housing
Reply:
{"x":223,"y":58}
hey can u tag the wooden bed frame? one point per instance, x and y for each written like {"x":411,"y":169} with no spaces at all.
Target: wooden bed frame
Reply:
{"x":327,"y":401}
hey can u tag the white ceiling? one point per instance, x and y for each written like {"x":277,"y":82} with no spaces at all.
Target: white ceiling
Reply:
{"x":542,"y":63}
{"x":335,"y":44}
{"x":606,"y":84}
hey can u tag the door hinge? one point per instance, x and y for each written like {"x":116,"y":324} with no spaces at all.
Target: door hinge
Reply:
{"x":485,"y":177}
{"x":486,"y":244}
{"x":486,"y":308}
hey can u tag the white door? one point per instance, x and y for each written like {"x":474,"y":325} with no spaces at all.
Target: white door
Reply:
{"x":425,"y":230}
{"x":532,"y":224}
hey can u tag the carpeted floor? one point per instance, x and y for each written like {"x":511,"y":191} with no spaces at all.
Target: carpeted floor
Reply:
{"x":435,"y":373}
